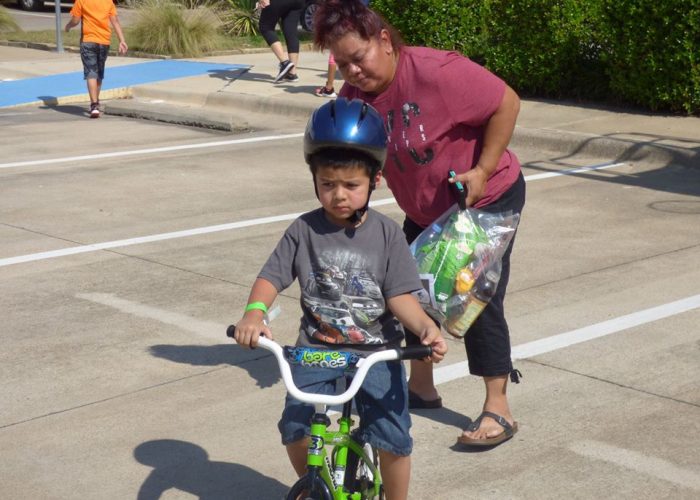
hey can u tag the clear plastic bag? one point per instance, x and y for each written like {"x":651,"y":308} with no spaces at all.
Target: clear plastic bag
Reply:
{"x":459,"y":262}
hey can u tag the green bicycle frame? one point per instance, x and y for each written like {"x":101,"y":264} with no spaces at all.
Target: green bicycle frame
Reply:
{"x":332,"y":472}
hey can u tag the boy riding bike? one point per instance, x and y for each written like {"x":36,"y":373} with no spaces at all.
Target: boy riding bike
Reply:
{"x":328,"y":250}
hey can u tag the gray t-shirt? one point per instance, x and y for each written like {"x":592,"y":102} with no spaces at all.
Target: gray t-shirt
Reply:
{"x":345,"y":275}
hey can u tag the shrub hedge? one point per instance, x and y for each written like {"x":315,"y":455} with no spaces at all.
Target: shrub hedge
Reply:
{"x":644,"y":53}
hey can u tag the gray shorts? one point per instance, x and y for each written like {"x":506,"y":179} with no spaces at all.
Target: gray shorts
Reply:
{"x":94,"y":56}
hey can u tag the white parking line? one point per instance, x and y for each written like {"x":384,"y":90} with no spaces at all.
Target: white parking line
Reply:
{"x":147,"y":151}
{"x":8,"y":261}
{"x":562,"y":340}
{"x":441,"y":374}
{"x":651,"y":466}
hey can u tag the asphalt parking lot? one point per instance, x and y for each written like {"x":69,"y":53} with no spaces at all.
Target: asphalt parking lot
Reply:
{"x":126,"y":249}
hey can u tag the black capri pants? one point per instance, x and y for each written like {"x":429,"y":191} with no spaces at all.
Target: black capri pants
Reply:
{"x":488,"y":339}
{"x":287,"y":13}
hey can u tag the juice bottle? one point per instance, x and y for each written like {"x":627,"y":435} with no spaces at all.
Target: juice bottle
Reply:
{"x":480,"y":294}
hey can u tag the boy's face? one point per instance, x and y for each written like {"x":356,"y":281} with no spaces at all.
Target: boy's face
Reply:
{"x":342,"y":191}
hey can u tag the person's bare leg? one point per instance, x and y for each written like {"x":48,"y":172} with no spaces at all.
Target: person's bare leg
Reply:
{"x":396,"y":473}
{"x":421,"y":380}
{"x":99,"y":89}
{"x":297,"y":452}
{"x":496,"y":402}
{"x":279,"y":51}
{"x":93,"y":87}
{"x":294,"y":57}
{"x":330,"y":79}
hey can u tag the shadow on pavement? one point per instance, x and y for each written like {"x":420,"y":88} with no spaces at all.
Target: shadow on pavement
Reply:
{"x":73,"y":110}
{"x":183,"y":466}
{"x":679,"y":173}
{"x":446,"y":417}
{"x":260,"y":364}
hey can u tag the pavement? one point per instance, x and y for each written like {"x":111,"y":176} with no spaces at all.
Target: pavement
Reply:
{"x":223,"y":96}
{"x":115,"y":378}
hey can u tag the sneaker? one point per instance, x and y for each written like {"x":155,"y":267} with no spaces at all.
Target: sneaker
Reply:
{"x":324,"y":92}
{"x":291,"y":77}
{"x":284,"y":69}
{"x":95,"y":110}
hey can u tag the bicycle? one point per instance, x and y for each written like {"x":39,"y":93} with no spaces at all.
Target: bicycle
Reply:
{"x":350,"y":470}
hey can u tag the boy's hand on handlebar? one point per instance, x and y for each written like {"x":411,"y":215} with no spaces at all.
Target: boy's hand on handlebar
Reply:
{"x":248,"y":330}
{"x":431,"y":336}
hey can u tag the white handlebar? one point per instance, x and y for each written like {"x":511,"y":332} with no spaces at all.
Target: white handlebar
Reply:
{"x":363,"y":366}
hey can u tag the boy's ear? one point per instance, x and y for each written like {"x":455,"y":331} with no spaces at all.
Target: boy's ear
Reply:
{"x":378,"y":179}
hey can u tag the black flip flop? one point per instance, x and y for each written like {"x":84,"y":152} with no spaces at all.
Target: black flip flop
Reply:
{"x":415,"y":402}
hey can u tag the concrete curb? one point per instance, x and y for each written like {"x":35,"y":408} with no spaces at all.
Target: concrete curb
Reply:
{"x":232,"y":111}
{"x":120,"y":93}
{"x":611,"y":148}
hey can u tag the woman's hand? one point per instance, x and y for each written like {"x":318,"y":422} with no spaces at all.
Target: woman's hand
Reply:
{"x":474,"y":181}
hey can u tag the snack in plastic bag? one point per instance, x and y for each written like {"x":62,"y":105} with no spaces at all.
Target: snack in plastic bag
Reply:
{"x":459,"y":262}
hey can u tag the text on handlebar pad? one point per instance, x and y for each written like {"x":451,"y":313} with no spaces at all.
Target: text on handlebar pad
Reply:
{"x":319,"y":358}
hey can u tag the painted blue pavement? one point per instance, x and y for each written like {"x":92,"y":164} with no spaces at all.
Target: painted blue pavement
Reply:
{"x":51,"y":88}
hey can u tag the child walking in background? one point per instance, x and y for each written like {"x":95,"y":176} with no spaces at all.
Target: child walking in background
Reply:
{"x":95,"y":17}
{"x":356,"y":275}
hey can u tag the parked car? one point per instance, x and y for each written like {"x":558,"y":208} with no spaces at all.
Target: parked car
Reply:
{"x":307,"y":15}
{"x":32,"y":4}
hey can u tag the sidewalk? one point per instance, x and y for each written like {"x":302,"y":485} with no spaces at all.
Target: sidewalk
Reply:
{"x":249,"y":100}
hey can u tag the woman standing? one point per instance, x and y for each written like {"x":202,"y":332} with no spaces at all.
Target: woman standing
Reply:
{"x":287,"y":13}
{"x":443,"y":112}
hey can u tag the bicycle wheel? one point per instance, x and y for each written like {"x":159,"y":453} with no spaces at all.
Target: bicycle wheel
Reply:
{"x":301,"y":490}
{"x":359,"y":476}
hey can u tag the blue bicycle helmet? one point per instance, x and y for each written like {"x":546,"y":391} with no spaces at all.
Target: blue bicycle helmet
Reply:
{"x":349,"y":125}
{"x":353,"y":125}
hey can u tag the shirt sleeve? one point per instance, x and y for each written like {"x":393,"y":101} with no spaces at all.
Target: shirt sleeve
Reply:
{"x":480,"y":90}
{"x":279,"y":268}
{"x":402,"y":271}
{"x":77,"y":9}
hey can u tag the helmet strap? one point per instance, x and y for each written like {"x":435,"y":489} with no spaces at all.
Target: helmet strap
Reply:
{"x":356,"y":218}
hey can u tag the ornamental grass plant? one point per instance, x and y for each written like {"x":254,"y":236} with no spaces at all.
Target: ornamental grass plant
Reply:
{"x":169,"y":27}
{"x":7,"y":23}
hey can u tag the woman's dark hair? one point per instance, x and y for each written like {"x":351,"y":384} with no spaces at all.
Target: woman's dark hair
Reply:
{"x":336,"y":18}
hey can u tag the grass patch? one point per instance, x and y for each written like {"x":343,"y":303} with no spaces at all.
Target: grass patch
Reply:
{"x":7,"y":22}
{"x":72,"y":39}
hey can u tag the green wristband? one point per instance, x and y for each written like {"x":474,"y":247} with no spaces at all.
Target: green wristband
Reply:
{"x":256,"y":306}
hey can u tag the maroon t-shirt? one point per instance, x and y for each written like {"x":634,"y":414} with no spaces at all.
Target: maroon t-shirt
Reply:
{"x":436,"y":110}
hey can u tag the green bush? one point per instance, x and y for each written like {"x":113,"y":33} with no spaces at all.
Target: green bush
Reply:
{"x":166,"y":27}
{"x":548,"y":48}
{"x":455,"y":25}
{"x":640,"y":52}
{"x":653,"y":52}
{"x":240,"y":17}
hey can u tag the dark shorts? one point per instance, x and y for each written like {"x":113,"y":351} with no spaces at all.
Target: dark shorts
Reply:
{"x":488,"y":340}
{"x":381,"y":403}
{"x":94,"y":56}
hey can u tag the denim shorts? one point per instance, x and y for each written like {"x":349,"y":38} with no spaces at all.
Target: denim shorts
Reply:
{"x":382,"y":404}
{"x":94,"y":56}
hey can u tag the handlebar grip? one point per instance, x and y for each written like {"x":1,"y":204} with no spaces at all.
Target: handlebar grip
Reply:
{"x":230,"y":330}
{"x":415,"y":352}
